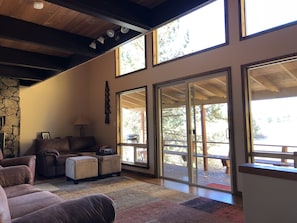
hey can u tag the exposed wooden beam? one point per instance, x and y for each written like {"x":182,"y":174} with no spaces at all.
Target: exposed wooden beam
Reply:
{"x":25,"y":73}
{"x":19,"y":30}
{"x":9,"y":56}
{"x":264,"y":82}
{"x":123,"y":13}
{"x":291,"y":74}
{"x":170,"y":10}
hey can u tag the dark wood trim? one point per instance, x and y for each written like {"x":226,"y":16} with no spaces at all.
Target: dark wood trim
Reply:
{"x":269,"y":171}
{"x":173,"y":9}
{"x":9,"y":56}
{"x":19,"y":30}
{"x":123,"y":13}
{"x":25,"y":73}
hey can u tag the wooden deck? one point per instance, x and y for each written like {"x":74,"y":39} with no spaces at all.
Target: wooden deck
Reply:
{"x":215,"y":178}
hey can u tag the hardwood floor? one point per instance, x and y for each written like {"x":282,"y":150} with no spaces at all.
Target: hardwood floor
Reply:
{"x":211,"y":194}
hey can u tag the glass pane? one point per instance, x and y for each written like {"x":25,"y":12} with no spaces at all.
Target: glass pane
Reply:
{"x":133,"y":127}
{"x":273,"y":99}
{"x":262,"y":15}
{"x":211,"y":158}
{"x":141,"y":155}
{"x":215,"y":178}
{"x":132,"y":56}
{"x":174,"y":132}
{"x":181,"y":37}
{"x":127,"y":154}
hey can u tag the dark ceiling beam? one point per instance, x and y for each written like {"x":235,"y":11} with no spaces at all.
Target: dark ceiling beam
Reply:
{"x":172,"y":9}
{"x":27,"y":83}
{"x":25,"y":73}
{"x":9,"y":56}
{"x":123,"y":13}
{"x":19,"y":30}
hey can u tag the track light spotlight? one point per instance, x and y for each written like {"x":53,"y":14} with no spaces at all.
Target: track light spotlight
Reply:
{"x":110,"y":33}
{"x":101,"y":39}
{"x":93,"y":45}
{"x":124,"y":30}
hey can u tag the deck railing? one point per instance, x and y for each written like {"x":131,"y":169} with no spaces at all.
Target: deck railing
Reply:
{"x":282,"y":157}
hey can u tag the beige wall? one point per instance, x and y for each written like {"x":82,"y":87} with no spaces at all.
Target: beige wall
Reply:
{"x":53,"y":106}
{"x":82,"y":89}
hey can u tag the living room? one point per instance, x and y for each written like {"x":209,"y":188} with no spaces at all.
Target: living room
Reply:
{"x":80,"y":91}
{"x":54,"y":104}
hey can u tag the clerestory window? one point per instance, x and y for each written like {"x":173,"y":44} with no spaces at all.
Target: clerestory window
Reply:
{"x":131,"y":57}
{"x":199,"y":30}
{"x":262,"y":15}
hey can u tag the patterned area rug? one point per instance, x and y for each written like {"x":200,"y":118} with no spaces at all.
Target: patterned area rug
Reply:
{"x":137,"y":201}
{"x":232,"y":213}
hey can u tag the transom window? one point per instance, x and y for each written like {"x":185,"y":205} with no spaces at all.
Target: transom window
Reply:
{"x":132,"y":127}
{"x":131,"y":56}
{"x":273,"y":112}
{"x":261,"y":15}
{"x":197,"y":31}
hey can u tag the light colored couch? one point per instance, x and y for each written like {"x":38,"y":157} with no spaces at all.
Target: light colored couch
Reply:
{"x":21,"y":202}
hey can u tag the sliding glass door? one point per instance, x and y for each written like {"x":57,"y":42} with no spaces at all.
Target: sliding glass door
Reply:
{"x":174,"y":131}
{"x":194,"y":131}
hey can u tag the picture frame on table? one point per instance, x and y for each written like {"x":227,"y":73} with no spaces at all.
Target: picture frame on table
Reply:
{"x":45,"y":135}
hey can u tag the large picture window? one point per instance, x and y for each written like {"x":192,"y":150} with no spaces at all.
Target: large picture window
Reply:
{"x":197,"y":31}
{"x":131,"y":56}
{"x":273,"y":112}
{"x":261,"y":15}
{"x":132,"y":127}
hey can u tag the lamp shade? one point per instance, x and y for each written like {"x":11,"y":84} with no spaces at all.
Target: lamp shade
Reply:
{"x":81,"y":120}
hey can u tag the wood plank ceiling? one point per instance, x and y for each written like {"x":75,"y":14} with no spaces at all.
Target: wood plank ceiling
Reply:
{"x":37,"y":44}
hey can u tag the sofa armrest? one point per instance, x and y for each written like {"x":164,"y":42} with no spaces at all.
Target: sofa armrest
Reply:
{"x":49,"y":152}
{"x":29,"y":161}
{"x":89,"y":209}
{"x":46,"y":162}
{"x":22,"y":160}
{"x":15,"y":175}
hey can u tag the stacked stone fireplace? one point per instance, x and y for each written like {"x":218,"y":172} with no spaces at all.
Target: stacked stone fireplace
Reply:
{"x":10,"y":115}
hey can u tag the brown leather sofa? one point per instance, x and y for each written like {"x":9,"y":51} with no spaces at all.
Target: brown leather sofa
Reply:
{"x":21,"y":202}
{"x":51,"y":154}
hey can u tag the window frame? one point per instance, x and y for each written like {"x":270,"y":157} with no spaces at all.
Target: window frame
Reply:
{"x":119,"y":144}
{"x":248,"y":139}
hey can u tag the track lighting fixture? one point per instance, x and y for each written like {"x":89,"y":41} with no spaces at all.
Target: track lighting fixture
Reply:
{"x":110,"y":33}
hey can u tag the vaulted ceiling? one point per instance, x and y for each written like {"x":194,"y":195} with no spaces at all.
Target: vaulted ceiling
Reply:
{"x":36,"y":44}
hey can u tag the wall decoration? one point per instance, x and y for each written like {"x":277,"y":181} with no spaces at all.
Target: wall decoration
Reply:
{"x":107,"y":103}
{"x":45,"y":135}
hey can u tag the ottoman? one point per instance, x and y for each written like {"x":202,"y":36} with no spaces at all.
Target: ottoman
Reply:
{"x":81,"y":167}
{"x":109,"y":164}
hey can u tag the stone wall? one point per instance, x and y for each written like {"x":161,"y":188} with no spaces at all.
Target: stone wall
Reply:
{"x":10,"y":110}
